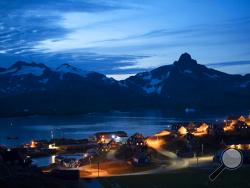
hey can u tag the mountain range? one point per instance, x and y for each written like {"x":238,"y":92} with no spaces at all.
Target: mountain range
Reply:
{"x":34,"y":88}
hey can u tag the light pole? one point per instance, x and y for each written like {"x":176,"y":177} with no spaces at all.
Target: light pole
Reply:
{"x":98,"y":168}
{"x":90,"y":161}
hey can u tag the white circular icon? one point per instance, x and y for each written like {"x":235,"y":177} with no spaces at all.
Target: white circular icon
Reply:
{"x":232,"y":158}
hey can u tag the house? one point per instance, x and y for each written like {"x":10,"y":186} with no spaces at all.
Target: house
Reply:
{"x":233,"y":118}
{"x":141,"y":159}
{"x":175,"y":127}
{"x":248,"y":121}
{"x":69,"y":160}
{"x":106,"y":137}
{"x":136,"y":140}
{"x":242,"y":127}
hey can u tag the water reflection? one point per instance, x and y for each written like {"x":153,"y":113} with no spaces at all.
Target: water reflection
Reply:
{"x":37,"y":128}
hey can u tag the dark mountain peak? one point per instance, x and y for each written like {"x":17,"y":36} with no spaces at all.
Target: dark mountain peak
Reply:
{"x":67,"y":66}
{"x":20,"y":64}
{"x":185,"y":60}
{"x":69,"y":69}
{"x":185,"y":57}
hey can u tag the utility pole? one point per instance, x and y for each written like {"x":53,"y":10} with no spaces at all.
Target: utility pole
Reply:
{"x":202,"y":149}
{"x":90,"y":161}
{"x":197,"y":160}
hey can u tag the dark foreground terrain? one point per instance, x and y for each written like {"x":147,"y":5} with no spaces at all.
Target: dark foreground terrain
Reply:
{"x":195,"y":178}
{"x":185,"y":178}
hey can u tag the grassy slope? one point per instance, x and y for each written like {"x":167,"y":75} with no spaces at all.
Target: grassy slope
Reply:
{"x":185,"y":178}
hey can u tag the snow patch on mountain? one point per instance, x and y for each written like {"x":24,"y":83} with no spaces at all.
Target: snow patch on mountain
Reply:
{"x":152,"y":89}
{"x":153,"y":86}
{"x":66,"y":69}
{"x":155,"y":81}
{"x":213,"y":76}
{"x":165,"y":76}
{"x":9,"y":71}
{"x":188,"y":71}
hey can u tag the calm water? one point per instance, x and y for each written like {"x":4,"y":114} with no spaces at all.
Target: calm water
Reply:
{"x":37,"y":127}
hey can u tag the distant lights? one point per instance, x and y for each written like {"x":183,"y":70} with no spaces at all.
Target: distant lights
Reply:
{"x":53,"y":146}
{"x":33,"y":144}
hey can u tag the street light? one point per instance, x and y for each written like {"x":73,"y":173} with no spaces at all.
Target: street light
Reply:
{"x":98,"y":165}
{"x":90,"y":161}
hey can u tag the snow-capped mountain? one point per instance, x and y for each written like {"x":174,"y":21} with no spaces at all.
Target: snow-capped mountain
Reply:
{"x":184,"y":75}
{"x":69,"y":69}
{"x":32,"y":88}
{"x":187,"y":83}
{"x":23,"y":68}
{"x":25,"y":77}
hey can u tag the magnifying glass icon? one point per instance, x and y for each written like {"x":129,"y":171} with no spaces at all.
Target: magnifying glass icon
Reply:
{"x":231,"y":159}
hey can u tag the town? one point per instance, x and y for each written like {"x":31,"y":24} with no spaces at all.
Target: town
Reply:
{"x":105,"y":154}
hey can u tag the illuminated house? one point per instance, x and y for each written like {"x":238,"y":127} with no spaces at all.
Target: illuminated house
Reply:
{"x":242,"y":127}
{"x":106,"y":137}
{"x":238,"y":124}
{"x":136,"y":140}
{"x":182,"y":131}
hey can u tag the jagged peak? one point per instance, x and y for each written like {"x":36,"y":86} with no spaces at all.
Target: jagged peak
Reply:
{"x":185,"y":60}
{"x":69,"y":69}
{"x":67,"y":66}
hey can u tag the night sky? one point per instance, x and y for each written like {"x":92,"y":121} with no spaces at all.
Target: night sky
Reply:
{"x":120,"y":38}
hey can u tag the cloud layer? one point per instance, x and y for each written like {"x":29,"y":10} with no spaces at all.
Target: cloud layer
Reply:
{"x":124,"y":37}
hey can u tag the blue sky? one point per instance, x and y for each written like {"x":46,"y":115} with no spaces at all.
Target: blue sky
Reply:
{"x":121,"y":38}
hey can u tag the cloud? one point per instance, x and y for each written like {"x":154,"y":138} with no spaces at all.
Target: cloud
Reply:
{"x":230,"y":63}
{"x":59,"y":5}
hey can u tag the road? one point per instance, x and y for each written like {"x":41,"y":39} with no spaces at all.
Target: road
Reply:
{"x":174,"y":163}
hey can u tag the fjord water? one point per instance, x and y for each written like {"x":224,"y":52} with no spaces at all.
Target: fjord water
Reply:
{"x":20,"y":130}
